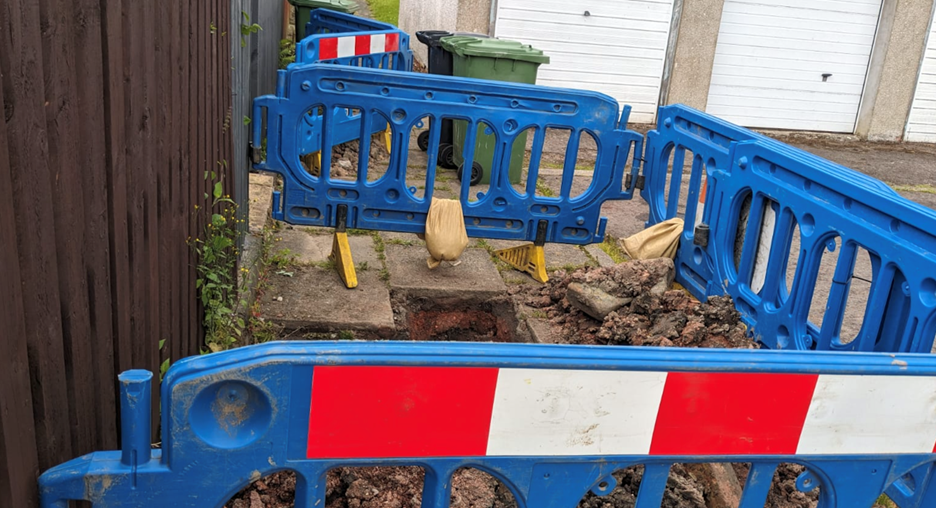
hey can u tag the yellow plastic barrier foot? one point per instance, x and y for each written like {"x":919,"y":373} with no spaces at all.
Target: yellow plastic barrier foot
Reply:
{"x":526,"y":258}
{"x":341,"y":255}
{"x":387,"y":137}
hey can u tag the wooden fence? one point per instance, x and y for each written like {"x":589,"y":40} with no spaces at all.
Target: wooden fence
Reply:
{"x":113,"y":111}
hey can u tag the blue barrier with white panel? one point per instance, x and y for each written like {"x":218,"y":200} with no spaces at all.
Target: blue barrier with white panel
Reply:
{"x":345,"y":39}
{"x":550,"y":422}
{"x":758,"y":191}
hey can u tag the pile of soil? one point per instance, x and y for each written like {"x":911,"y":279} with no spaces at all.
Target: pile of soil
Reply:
{"x":377,"y":487}
{"x":654,"y":317}
{"x":274,"y":491}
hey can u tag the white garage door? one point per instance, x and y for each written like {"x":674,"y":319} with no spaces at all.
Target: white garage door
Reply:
{"x":921,"y":126}
{"x":618,"y":48}
{"x":793,"y":64}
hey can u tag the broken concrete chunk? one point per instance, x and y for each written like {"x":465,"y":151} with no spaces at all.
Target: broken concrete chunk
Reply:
{"x":632,"y":278}
{"x":593,"y":301}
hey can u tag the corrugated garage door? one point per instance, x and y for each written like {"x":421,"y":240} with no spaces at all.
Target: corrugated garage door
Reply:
{"x":793,"y":64}
{"x":921,"y":126}
{"x":618,"y":48}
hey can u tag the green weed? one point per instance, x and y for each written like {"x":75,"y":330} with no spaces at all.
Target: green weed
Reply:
{"x":387,"y":11}
{"x":922,"y":187}
{"x":612,"y":249}
{"x":216,"y":250}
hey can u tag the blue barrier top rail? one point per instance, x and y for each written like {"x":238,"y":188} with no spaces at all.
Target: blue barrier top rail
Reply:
{"x":405,"y":99}
{"x":550,"y":422}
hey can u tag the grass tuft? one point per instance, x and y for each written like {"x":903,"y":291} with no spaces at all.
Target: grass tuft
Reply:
{"x":922,"y":187}
{"x":612,"y":249}
{"x":387,"y":11}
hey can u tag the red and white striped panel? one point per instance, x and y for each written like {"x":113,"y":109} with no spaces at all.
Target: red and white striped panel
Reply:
{"x":382,"y":412}
{"x":358,"y":45}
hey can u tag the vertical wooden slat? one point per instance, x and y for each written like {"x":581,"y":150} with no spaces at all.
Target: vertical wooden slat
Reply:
{"x":224,"y":67}
{"x":67,"y":203}
{"x":115,"y":110}
{"x":19,"y":462}
{"x":21,"y":64}
{"x":153,"y":162}
{"x":200,"y":27}
{"x":92,"y":159}
{"x":134,"y":128}
{"x":187,"y":296}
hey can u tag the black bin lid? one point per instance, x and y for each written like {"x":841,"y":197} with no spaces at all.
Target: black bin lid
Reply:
{"x":433,"y":38}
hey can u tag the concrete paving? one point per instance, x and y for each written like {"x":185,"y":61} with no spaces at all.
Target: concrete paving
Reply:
{"x":312,"y":246}
{"x":474,"y":279}
{"x":601,"y":257}
{"x":314,"y":299}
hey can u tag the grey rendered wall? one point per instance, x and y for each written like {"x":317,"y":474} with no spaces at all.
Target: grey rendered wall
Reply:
{"x":694,"y":53}
{"x":416,"y":15}
{"x":894,"y":69}
{"x":451,"y":15}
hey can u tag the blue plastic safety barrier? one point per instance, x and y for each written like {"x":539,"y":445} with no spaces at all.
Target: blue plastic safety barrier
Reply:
{"x":786,"y":189}
{"x":550,"y":422}
{"x":405,"y":98}
{"x":346,"y":39}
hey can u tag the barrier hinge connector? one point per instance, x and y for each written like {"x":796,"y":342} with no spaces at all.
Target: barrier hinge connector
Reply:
{"x":630,"y":179}
{"x":253,"y":153}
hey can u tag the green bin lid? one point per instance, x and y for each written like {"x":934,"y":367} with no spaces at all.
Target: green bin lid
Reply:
{"x":463,"y":45}
{"x":346,"y":6}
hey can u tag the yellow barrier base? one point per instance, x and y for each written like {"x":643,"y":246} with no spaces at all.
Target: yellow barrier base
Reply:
{"x":526,"y":258}
{"x":386,"y":137}
{"x":341,"y":255}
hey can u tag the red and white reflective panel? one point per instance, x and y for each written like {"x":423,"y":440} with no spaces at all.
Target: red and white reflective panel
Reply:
{"x":358,"y":45}
{"x":380,"y":412}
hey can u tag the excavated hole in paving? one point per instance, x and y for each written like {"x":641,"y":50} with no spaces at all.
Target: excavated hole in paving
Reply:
{"x":493,"y":320}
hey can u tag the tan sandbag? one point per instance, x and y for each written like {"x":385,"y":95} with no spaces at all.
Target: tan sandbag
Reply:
{"x":658,"y":241}
{"x":446,"y":237}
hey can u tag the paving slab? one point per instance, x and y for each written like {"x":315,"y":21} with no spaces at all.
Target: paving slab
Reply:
{"x":315,"y":300}
{"x":542,"y":332}
{"x":260,"y":194}
{"x":599,"y":255}
{"x":305,"y":248}
{"x":474,"y":279}
{"x":313,"y":248}
{"x":390,"y":238}
{"x":259,"y":217}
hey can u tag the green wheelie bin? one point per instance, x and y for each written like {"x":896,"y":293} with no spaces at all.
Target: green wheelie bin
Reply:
{"x":499,"y":60}
{"x":304,"y":10}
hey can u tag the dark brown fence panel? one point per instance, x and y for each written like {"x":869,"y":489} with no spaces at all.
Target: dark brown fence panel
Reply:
{"x":113,"y":112}
{"x":18,"y":460}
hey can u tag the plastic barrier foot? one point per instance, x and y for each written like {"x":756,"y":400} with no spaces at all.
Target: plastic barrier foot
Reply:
{"x":317,"y":162}
{"x":341,"y":255}
{"x":526,"y":258}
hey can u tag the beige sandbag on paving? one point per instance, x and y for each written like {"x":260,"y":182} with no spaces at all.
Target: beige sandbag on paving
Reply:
{"x":446,"y":237}
{"x":658,"y":241}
